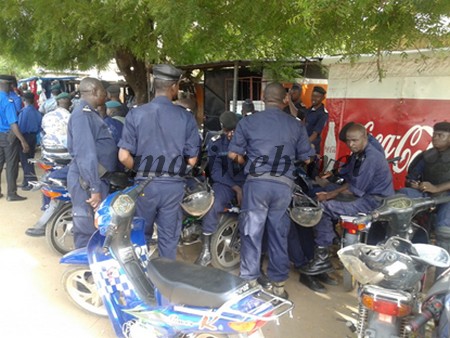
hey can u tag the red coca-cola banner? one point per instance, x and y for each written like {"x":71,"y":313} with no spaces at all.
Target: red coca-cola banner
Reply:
{"x":403,"y":126}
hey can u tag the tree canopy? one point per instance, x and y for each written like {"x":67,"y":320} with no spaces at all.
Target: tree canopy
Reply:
{"x":138,"y":33}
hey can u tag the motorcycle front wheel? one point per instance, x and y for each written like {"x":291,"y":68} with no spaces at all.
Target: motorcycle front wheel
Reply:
{"x":223,"y":256}
{"x":79,"y":285}
{"x":59,"y":230}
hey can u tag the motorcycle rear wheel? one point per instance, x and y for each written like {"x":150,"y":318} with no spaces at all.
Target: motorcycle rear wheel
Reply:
{"x":80,"y":287}
{"x":222,"y":255}
{"x":58,"y":231}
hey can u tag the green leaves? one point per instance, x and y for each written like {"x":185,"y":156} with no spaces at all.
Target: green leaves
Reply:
{"x":83,"y":33}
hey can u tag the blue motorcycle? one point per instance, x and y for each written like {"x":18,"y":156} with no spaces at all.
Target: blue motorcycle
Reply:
{"x":160,"y":297}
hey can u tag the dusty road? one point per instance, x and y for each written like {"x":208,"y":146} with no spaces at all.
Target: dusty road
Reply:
{"x":34,"y":303}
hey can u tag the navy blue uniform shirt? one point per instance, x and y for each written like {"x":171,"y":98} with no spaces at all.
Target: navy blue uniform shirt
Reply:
{"x":8,"y":114}
{"x":315,"y":121}
{"x":90,"y":142}
{"x":30,"y":120}
{"x":160,"y":135}
{"x":223,"y":169}
{"x":368,"y":173}
{"x":375,"y":143}
{"x":115,"y":127}
{"x":272,"y":141}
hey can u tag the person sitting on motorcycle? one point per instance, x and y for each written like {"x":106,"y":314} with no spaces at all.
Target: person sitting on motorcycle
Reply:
{"x":368,"y":181}
{"x":228,"y":179}
{"x":429,"y":174}
{"x":54,"y":146}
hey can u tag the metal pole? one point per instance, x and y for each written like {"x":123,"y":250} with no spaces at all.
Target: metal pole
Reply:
{"x":235,"y":85}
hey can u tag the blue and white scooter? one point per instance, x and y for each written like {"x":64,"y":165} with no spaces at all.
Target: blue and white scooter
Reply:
{"x":160,"y":297}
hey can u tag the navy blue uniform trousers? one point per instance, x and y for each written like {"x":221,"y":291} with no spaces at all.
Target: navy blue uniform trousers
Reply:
{"x":161,"y":205}
{"x":28,"y":168}
{"x":223,"y":194}
{"x":9,"y":154}
{"x":83,"y":214}
{"x":333,"y":209}
{"x":265,"y":204}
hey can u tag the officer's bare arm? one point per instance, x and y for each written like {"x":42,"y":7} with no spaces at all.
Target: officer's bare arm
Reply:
{"x":239,"y":159}
{"x":324,"y":195}
{"x":434,"y":189}
{"x":126,"y":159}
{"x":191,"y":161}
{"x":313,"y":136}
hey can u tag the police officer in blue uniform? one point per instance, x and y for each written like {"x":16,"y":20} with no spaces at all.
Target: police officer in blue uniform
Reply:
{"x":316,"y":117}
{"x":10,"y":136}
{"x":159,"y":139}
{"x":295,"y":105}
{"x":429,"y":175}
{"x":370,"y":138}
{"x":228,"y":178}
{"x":368,"y":181}
{"x":30,"y":125}
{"x":94,"y":153}
{"x":271,"y":141}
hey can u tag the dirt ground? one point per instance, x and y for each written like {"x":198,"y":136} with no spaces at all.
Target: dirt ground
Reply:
{"x":34,"y":303}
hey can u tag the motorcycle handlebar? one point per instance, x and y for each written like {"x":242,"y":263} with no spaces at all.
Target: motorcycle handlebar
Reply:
{"x":442,"y":199}
{"x":394,"y":159}
{"x":419,"y":203}
{"x":429,"y":312}
{"x":366,"y":218}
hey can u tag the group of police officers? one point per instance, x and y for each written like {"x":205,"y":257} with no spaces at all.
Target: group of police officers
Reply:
{"x":253,"y":161}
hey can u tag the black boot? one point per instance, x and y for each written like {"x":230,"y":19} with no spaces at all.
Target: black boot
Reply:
{"x":320,"y":264}
{"x":312,"y":283}
{"x":38,"y":230}
{"x":278,"y":290}
{"x":204,"y":259}
{"x":35,"y":232}
{"x":325,"y":278}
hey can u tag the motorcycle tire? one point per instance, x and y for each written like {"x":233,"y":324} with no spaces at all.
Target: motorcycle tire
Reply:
{"x":222,"y":255}
{"x":80,"y":287}
{"x":58,"y":231}
{"x":348,"y":281}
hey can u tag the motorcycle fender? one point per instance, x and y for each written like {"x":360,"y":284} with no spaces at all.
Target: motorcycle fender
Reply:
{"x":350,"y":239}
{"x":78,"y":257}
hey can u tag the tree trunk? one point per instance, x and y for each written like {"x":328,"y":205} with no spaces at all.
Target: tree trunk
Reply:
{"x":135,"y":73}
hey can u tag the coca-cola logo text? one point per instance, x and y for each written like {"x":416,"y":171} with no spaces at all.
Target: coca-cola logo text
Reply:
{"x":415,"y":140}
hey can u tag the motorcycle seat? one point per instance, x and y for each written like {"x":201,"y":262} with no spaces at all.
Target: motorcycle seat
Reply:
{"x":194,"y":285}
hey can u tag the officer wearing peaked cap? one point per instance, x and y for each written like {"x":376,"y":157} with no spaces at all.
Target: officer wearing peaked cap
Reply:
{"x":166,"y":72}
{"x":94,"y":153}
{"x":316,"y":117}
{"x":10,"y":136}
{"x":159,"y":139}
{"x":50,"y":104}
{"x":114,"y":96}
